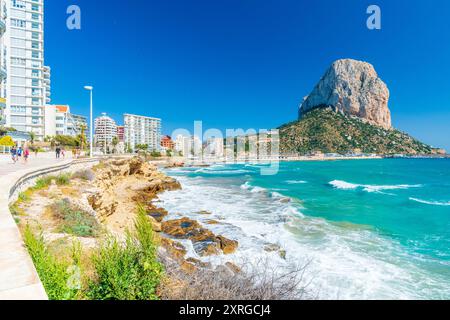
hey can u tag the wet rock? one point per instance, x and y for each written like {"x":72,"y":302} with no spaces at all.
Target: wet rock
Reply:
{"x":199,"y":264}
{"x":212,"y":222}
{"x":158,"y":214}
{"x":205,"y":242}
{"x":204,"y":212}
{"x":272,"y":247}
{"x":207,"y":248}
{"x":175,"y":249}
{"x":228,"y":246}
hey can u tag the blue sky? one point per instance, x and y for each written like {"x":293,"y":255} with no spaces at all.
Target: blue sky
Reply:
{"x":246,"y":63}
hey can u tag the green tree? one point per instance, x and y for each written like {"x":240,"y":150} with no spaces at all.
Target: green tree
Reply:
{"x":115,"y":142}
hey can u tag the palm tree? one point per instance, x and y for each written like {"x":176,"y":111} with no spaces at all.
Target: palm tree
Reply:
{"x":115,"y":142}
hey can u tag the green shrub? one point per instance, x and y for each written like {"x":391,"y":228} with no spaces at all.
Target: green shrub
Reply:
{"x":43,"y":182}
{"x":56,"y":276}
{"x":63,"y":179}
{"x":128,"y":271}
{"x":75,"y":221}
{"x":24,"y":197}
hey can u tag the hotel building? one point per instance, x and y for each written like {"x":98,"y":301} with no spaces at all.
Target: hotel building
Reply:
{"x":141,"y":130}
{"x":23,"y":55}
{"x":105,"y":130}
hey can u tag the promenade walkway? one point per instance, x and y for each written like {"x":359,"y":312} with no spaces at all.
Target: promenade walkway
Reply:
{"x":18,"y":276}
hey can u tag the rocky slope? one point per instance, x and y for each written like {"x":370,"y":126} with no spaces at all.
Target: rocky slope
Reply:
{"x":353,"y":88}
{"x":332,"y":132}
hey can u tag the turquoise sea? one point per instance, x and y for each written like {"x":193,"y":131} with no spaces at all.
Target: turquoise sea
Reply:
{"x":368,"y":229}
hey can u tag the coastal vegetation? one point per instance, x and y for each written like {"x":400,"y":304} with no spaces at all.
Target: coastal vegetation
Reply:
{"x":324,"y":130}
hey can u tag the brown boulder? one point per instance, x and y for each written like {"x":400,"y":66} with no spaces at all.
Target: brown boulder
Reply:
{"x":228,"y":246}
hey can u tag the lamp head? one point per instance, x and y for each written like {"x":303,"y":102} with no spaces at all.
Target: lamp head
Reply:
{"x":90,"y":88}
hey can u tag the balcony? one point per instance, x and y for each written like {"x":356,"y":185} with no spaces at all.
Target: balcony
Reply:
{"x":2,"y":26}
{"x":3,"y":73}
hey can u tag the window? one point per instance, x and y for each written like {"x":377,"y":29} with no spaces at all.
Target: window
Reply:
{"x":35,"y":54}
{"x":18,"y":109}
{"x":18,"y":61}
{"x":35,"y":45}
{"x":35,"y":36}
{"x":18,"y":4}
{"x":19,"y":119}
{"x":18,"y":23}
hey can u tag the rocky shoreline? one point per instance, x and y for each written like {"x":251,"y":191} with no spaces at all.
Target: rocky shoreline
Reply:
{"x":121,"y":186}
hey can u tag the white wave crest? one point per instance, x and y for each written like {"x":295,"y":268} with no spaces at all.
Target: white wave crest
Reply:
{"x":431,"y":203}
{"x":296,"y":182}
{"x":343,"y":185}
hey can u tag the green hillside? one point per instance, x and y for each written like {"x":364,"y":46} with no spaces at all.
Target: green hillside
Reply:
{"x":331,"y":132}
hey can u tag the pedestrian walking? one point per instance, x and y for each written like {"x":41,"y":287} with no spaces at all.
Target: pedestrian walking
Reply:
{"x":26,"y":155}
{"x":58,"y":152}
{"x":14,"y":154}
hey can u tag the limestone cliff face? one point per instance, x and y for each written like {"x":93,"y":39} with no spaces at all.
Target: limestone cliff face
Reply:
{"x":353,"y":88}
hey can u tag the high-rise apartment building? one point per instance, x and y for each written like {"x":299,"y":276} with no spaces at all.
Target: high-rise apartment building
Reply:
{"x":141,"y":130}
{"x":3,"y":72}
{"x":105,"y":130}
{"x":23,"y":56}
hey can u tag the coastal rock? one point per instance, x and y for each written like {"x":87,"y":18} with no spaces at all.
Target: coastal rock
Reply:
{"x":205,"y":242}
{"x":228,"y":246}
{"x":353,"y":88}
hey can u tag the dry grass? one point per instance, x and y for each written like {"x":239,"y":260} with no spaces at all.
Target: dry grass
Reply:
{"x":257,"y":282}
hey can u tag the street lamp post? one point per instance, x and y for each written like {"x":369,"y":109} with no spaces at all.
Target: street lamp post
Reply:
{"x":91,"y":136}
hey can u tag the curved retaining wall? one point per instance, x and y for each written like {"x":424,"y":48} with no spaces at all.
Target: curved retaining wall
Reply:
{"x":18,"y":277}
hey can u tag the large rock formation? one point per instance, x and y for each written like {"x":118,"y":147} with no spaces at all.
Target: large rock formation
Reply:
{"x":353,"y":88}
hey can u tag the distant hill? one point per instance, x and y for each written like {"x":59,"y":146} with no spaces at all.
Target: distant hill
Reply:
{"x":328,"y":131}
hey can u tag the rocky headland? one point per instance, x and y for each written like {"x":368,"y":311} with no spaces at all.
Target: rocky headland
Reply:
{"x":348,"y":112}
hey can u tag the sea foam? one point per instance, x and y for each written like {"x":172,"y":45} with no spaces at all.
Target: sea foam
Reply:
{"x":432,"y":203}
{"x":343,"y":185}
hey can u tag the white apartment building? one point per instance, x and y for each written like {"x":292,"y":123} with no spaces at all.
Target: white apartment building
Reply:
{"x":23,"y":50}
{"x":60,"y":121}
{"x":141,"y":130}
{"x":3,"y":73}
{"x":105,"y":130}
